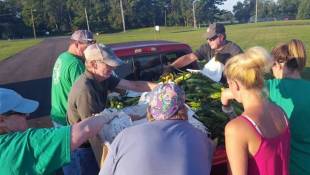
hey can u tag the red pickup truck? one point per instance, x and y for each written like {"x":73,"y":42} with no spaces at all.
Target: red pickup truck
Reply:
{"x":144,"y":60}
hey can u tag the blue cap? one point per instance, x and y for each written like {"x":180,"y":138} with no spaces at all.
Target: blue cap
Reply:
{"x":12,"y":101}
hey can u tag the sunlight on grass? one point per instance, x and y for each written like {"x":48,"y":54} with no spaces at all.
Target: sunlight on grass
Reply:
{"x":265,"y":34}
{"x":11,"y":47}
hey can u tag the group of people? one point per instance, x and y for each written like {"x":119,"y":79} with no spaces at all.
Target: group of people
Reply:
{"x":269,"y":137}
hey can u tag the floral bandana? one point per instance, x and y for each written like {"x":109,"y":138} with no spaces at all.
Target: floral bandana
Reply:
{"x":165,"y":101}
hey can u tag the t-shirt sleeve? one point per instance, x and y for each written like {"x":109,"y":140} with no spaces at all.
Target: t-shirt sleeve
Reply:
{"x":113,"y":81}
{"x":203,"y":52}
{"x":51,"y":147}
{"x":75,"y":70}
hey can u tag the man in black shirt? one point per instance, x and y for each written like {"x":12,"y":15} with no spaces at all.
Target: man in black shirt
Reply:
{"x":216,"y":51}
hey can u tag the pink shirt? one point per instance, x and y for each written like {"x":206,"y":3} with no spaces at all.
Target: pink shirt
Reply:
{"x":272,"y":156}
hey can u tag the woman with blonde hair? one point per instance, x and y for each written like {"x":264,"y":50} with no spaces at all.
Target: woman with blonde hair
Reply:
{"x":289,"y":91}
{"x":257,"y":141}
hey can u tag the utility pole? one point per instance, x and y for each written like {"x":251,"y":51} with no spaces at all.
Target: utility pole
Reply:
{"x":166,"y":7}
{"x":165,"y":18}
{"x":123,"y":18}
{"x":194,"y":16}
{"x":256,"y":9}
{"x":33,"y":27}
{"x":86,"y":19}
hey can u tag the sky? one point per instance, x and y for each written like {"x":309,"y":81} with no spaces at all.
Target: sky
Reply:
{"x":228,"y":5}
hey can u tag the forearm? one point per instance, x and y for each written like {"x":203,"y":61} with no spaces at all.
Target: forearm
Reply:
{"x":184,"y":60}
{"x":143,"y":86}
{"x":138,"y":86}
{"x":85,"y":129}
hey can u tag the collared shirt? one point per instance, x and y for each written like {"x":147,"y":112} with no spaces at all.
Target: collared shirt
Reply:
{"x":88,"y":96}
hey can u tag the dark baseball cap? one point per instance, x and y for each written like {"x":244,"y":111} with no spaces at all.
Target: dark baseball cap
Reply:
{"x":84,"y":36}
{"x":214,"y":29}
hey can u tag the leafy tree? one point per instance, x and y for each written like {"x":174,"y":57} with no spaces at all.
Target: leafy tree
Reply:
{"x":304,"y":10}
{"x":288,"y":8}
{"x":242,"y":11}
{"x":11,"y":23}
{"x":225,"y":16}
{"x":267,"y":9}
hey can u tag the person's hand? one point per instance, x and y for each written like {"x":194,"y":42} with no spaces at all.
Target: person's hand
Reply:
{"x":226,"y":96}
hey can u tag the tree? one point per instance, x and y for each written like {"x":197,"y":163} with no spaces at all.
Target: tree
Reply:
{"x":225,"y":16}
{"x":304,"y":10}
{"x":11,"y":23}
{"x":267,"y":9}
{"x":288,"y":8}
{"x":208,"y":10}
{"x":242,"y":11}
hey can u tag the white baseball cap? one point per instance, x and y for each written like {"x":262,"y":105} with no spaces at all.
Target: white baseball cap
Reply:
{"x":102,"y":53}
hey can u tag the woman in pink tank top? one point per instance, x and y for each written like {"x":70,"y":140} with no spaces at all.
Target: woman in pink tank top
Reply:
{"x":258,"y":141}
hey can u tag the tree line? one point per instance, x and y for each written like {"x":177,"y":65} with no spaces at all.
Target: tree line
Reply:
{"x":63,"y":16}
{"x":19,"y":17}
{"x":271,"y":10}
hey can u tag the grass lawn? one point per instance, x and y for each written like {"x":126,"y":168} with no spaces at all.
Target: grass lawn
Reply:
{"x":266,"y":34}
{"x":11,"y":47}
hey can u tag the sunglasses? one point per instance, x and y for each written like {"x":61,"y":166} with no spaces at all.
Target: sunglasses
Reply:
{"x":213,"y":38}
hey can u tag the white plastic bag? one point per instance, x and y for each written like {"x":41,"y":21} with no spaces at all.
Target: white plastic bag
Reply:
{"x":111,"y":129}
{"x":213,"y":69}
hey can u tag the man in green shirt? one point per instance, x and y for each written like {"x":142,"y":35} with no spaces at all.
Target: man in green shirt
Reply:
{"x":68,"y":67}
{"x":37,"y":151}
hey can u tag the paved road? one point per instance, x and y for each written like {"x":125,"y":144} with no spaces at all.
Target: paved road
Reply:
{"x":29,"y":72}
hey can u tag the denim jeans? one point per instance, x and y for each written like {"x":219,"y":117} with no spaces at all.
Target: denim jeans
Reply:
{"x":83,"y":162}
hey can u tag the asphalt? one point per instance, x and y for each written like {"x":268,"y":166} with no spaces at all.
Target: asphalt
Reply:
{"x":29,"y":72}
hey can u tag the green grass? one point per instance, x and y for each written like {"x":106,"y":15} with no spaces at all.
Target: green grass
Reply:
{"x":265,"y":34}
{"x":11,"y":47}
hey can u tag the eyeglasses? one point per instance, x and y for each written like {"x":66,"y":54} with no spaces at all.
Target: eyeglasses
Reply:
{"x":8,"y":113}
{"x":213,"y":38}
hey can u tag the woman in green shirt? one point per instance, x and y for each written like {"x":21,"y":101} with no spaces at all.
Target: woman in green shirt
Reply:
{"x":291,"y":93}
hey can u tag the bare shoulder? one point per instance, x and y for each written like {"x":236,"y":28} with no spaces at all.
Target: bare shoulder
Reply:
{"x":237,"y":127}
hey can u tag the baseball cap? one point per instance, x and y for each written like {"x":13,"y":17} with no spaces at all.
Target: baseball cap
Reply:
{"x":12,"y":101}
{"x":214,"y":29}
{"x":165,"y":100}
{"x":84,"y":36}
{"x":100,"y":52}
